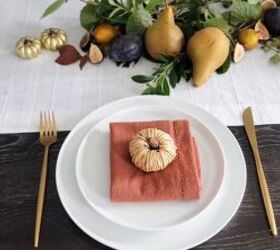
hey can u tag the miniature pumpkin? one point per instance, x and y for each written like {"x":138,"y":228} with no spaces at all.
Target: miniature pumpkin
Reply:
{"x":28,"y":47}
{"x":53,"y":38}
{"x":152,"y":149}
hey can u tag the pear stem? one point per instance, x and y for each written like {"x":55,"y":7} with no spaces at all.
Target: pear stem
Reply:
{"x":166,"y":4}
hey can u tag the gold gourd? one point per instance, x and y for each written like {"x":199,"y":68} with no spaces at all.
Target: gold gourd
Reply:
{"x":53,"y":38}
{"x":28,"y":47}
{"x":152,"y":150}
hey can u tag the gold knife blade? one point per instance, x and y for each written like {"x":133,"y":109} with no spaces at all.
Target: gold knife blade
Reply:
{"x":251,"y":133}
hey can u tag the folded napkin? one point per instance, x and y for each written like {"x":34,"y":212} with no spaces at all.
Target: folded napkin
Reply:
{"x":179,"y":180}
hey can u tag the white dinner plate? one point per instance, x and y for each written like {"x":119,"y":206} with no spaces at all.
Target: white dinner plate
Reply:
{"x":93,"y":172}
{"x":199,"y":229}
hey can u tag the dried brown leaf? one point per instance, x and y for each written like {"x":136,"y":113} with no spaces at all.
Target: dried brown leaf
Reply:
{"x":83,"y":61}
{"x":68,"y":54}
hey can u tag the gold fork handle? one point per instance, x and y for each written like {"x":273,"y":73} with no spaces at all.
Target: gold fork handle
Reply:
{"x":40,"y":198}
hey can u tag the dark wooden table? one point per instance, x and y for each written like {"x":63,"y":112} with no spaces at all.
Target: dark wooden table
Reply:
{"x":20,"y":163}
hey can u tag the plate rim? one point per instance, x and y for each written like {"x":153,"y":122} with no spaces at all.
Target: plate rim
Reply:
{"x":133,"y":226}
{"x":117,"y":104}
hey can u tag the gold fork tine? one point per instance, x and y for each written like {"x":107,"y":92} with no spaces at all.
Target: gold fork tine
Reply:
{"x":46,"y":123}
{"x":49,"y":123}
{"x":54,"y":124}
{"x":41,"y":123}
{"x":48,"y":136}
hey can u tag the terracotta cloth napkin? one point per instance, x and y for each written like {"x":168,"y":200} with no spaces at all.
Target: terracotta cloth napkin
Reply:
{"x":179,"y":180}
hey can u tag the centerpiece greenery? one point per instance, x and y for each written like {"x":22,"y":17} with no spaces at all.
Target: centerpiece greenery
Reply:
{"x":124,"y":31}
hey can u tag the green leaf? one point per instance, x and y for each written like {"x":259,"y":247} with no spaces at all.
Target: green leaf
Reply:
{"x":149,"y":91}
{"x":254,"y":2}
{"x":216,"y":8}
{"x":88,"y":17}
{"x":165,"y":87}
{"x":173,"y":78}
{"x":53,"y":7}
{"x":164,"y":59}
{"x":138,"y":21}
{"x":243,"y":12}
{"x":218,"y":22}
{"x":275,"y":42}
{"x":265,"y":48}
{"x":158,"y":71}
{"x":113,"y":3}
{"x":142,"y":78}
{"x":224,"y":68}
{"x":152,"y":4}
{"x":275,"y":59}
{"x":114,"y":12}
{"x":160,"y":80}
{"x":179,"y":69}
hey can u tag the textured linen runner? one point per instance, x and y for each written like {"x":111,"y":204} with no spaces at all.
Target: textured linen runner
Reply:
{"x":28,"y":86}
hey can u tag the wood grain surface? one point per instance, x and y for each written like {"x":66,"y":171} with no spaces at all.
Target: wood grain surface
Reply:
{"x":20,"y":162}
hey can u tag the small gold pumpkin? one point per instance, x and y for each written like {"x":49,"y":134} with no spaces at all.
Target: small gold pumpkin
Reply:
{"x":28,"y":47}
{"x":53,"y":38}
{"x":152,"y":149}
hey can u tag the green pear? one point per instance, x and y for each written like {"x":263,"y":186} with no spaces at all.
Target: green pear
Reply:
{"x":164,"y":37}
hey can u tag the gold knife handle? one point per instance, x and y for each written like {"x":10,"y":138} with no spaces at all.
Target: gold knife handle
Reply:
{"x":265,"y":194}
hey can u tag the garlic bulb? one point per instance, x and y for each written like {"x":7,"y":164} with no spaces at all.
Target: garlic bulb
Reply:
{"x":53,"y":38}
{"x":28,"y":47}
{"x":152,"y":149}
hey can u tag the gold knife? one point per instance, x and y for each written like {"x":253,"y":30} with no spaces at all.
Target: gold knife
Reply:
{"x":251,"y":133}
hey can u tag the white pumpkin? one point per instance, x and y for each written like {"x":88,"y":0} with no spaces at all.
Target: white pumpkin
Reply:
{"x":152,"y":149}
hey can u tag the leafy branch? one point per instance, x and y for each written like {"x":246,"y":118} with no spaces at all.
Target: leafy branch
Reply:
{"x":131,"y":13}
{"x":193,"y":15}
{"x":98,"y":11}
{"x":168,"y":74}
{"x":272,"y":45}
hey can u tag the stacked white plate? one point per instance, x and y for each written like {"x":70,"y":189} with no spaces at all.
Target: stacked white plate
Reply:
{"x":83,"y":180}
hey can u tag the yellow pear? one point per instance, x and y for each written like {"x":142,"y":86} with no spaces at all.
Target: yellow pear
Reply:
{"x":208,"y":49}
{"x":164,"y":37}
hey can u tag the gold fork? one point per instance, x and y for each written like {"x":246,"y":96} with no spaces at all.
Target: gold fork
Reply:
{"x":48,"y":136}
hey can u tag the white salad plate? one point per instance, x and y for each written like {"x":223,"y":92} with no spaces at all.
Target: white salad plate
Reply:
{"x":93,"y":172}
{"x":195,"y":231}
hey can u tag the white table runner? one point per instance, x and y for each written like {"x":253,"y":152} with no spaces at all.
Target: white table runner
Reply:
{"x":28,"y":86}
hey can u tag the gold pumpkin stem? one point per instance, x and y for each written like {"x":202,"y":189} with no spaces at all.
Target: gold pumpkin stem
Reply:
{"x":166,"y":4}
{"x":26,"y":42}
{"x":52,"y":33}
